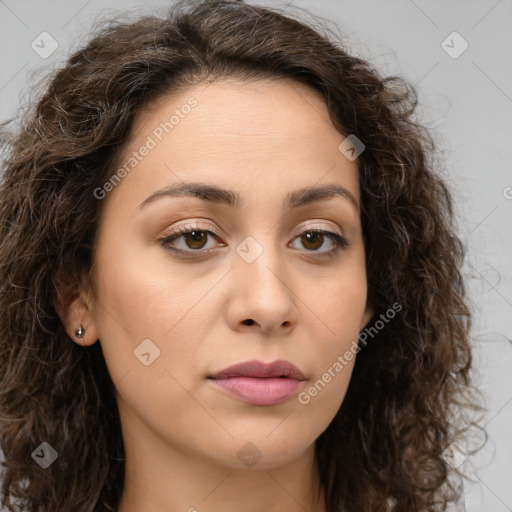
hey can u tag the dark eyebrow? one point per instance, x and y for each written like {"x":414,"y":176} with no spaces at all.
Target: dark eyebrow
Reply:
{"x":218,"y":195}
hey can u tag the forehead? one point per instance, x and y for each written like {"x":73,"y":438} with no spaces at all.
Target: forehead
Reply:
{"x":273,"y":134}
{"x":265,"y":113}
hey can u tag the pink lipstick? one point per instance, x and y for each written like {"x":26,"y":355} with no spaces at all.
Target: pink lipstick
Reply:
{"x":259,"y":383}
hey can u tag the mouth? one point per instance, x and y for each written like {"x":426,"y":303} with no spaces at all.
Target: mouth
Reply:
{"x":259,"y":383}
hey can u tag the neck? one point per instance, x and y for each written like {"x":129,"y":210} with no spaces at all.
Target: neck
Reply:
{"x":159,"y":478}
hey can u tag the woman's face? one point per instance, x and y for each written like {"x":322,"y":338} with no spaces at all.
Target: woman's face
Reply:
{"x":172,"y":310}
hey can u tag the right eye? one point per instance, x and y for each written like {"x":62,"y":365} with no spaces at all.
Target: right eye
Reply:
{"x":194,"y":236}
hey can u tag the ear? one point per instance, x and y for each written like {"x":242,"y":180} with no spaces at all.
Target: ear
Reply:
{"x":74,"y":307}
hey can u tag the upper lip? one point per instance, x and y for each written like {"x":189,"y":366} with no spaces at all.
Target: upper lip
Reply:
{"x":254,"y":368}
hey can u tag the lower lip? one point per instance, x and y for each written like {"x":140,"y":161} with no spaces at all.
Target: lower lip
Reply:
{"x":259,"y":391}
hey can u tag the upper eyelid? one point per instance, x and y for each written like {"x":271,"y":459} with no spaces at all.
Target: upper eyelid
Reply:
{"x":197,"y":225}
{"x":186,"y":228}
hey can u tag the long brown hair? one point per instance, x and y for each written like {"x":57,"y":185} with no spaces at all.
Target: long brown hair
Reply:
{"x":385,"y":446}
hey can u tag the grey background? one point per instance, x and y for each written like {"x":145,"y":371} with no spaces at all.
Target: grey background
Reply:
{"x":467,"y":100}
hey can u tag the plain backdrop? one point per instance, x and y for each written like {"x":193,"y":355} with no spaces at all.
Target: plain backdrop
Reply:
{"x":464,"y":82}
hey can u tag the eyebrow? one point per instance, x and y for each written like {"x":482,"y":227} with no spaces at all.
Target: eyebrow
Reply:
{"x":214,"y":194}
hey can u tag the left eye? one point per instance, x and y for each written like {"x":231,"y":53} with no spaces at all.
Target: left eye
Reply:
{"x":196,"y":239}
{"x":315,"y":238}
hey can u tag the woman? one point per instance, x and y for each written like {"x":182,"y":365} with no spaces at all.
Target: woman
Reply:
{"x":205,"y":221}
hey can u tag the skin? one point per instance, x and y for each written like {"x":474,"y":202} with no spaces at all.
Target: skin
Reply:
{"x":261,"y":140}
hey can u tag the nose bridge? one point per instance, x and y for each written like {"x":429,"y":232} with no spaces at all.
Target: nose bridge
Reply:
{"x":261,"y":268}
{"x":262,"y":294}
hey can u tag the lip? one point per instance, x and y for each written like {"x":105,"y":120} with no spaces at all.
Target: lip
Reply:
{"x":259,"y":383}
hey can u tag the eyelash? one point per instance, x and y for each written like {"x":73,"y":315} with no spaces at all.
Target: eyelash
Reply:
{"x":340,"y":241}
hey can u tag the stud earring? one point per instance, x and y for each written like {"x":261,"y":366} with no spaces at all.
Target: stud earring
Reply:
{"x":80,"y":332}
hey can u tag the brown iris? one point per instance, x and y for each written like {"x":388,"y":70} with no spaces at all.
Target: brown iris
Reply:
{"x":196,"y":237}
{"x":313,"y":238}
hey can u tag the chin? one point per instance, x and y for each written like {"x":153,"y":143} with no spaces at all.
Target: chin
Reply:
{"x":257,"y":450}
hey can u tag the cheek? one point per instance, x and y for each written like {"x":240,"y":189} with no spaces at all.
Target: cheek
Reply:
{"x":147,"y":305}
{"x":339,"y":307}
{"x":149,"y":332}
{"x":333,"y":355}
{"x":322,"y":397}
{"x":339,"y":302}
{"x":147,"y":294}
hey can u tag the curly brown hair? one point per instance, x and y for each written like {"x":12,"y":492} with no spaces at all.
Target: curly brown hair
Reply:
{"x":384,"y":448}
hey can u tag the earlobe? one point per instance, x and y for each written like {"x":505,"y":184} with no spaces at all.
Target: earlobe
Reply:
{"x":84,"y":336}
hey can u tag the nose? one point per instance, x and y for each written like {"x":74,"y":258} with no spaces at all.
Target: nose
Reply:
{"x":265,"y":297}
